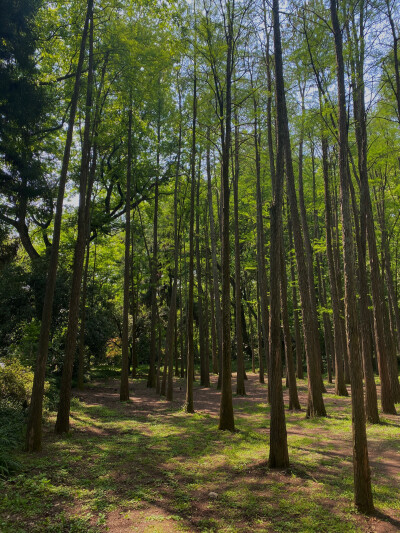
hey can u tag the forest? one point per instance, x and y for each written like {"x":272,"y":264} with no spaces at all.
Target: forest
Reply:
{"x":199,"y":266}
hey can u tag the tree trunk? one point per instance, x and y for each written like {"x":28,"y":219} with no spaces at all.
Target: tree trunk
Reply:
{"x":263,"y":349}
{"x":291,"y":374}
{"x":316,"y":405}
{"x":214,"y":264}
{"x":299,"y":344}
{"x":339,"y":347}
{"x":226,"y":419}
{"x":190,"y":344}
{"x":278,"y":452}
{"x":362,"y":475}
{"x":34,"y":425}
{"x":240,"y":387}
{"x":81,"y":347}
{"x":309,"y":253}
{"x":204,"y":370}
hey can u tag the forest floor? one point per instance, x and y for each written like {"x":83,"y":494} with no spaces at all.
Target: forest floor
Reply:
{"x":147,"y":466}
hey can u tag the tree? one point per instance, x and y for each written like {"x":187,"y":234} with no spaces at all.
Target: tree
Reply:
{"x":34,"y":429}
{"x":362,"y":476}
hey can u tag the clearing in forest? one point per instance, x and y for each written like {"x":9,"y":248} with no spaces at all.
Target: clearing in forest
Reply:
{"x":147,"y":466}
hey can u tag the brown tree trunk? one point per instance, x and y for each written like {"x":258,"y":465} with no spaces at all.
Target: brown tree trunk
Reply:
{"x":316,"y":405}
{"x":309,"y":253}
{"x":204,"y":365}
{"x":299,"y":344}
{"x":190,"y":344}
{"x":278,"y":452}
{"x":240,"y":387}
{"x":124,"y":389}
{"x":34,"y":425}
{"x":291,"y":374}
{"x":81,"y":346}
{"x":362,"y":475}
{"x":170,"y":334}
{"x":210,"y":288}
{"x":152,"y":378}
{"x":226,"y":419}
{"x":339,"y":347}
{"x":263,"y":349}
{"x":214,"y":265}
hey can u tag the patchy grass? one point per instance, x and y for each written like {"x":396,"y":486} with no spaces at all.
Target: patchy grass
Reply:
{"x":146,"y":465}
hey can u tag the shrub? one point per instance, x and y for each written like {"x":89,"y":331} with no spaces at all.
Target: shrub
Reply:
{"x":16,"y":382}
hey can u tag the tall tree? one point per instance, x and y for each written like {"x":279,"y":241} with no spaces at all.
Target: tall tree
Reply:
{"x":362,"y":475}
{"x":34,"y":426}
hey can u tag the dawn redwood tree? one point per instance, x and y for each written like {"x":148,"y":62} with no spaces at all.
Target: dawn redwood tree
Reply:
{"x":85,"y":188}
{"x":240,"y":387}
{"x":389,"y":381}
{"x":290,"y":369}
{"x":171,"y":327}
{"x":204,"y":363}
{"x":34,"y":424}
{"x":316,"y":405}
{"x":296,"y":320}
{"x":263,"y":348}
{"x":362,"y":475}
{"x":226,"y":418}
{"x":124,"y":387}
{"x":278,"y":451}
{"x":151,"y":378}
{"x":190,"y":342}
{"x":214,"y":264}
{"x":340,"y":386}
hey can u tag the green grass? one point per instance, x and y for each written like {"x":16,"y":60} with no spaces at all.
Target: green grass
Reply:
{"x":164,"y":466}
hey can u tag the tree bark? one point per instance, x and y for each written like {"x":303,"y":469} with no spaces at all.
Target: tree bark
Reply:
{"x":240,"y":387}
{"x":278,"y":452}
{"x":362,"y":475}
{"x":34,"y":425}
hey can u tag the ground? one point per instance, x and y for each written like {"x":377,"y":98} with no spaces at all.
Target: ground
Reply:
{"x":147,"y":466}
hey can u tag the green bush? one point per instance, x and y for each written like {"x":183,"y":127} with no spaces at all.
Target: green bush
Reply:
{"x":16,"y":382}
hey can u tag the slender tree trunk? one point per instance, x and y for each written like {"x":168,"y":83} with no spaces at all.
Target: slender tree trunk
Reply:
{"x":362,"y":475}
{"x":339,"y":347}
{"x":81,"y":347}
{"x":85,"y":188}
{"x":226,"y":419}
{"x":240,"y":387}
{"x":169,"y":345}
{"x":135,"y":310}
{"x":151,"y":378}
{"x":214,"y":264}
{"x":278,"y":452}
{"x":34,"y":426}
{"x":204,"y":373}
{"x":124,"y":390}
{"x":391,"y":354}
{"x":309,"y":252}
{"x":210,"y":288}
{"x":263,"y":349}
{"x":190,"y":348}
{"x":299,"y":344}
{"x":316,"y":405}
{"x":291,"y":374}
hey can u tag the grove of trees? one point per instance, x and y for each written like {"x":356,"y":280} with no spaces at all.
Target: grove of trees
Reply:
{"x":203,"y":188}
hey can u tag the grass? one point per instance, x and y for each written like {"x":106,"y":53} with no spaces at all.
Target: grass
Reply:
{"x":153,"y":469}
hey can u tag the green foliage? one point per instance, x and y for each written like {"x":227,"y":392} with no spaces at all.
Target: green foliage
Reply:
{"x":15,"y":389}
{"x":11,"y":433}
{"x":16,"y":382}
